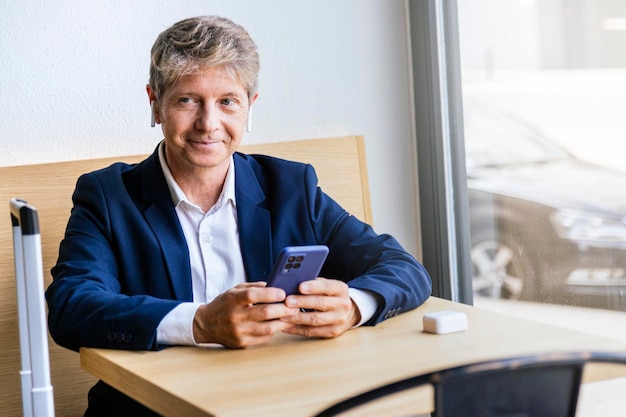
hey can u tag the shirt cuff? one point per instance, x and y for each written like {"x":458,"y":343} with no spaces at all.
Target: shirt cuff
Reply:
{"x":366,"y":303}
{"x":176,"y":328}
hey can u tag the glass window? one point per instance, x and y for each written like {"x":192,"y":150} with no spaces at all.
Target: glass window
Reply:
{"x":544,"y":97}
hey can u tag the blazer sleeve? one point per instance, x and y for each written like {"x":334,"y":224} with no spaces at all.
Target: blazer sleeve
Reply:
{"x":364,"y":259}
{"x":98,"y":299}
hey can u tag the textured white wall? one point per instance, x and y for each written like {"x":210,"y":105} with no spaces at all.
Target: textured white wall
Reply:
{"x":73,"y":76}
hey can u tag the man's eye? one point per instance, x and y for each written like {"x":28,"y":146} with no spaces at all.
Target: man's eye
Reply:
{"x":227,"y":101}
{"x":188,"y":101}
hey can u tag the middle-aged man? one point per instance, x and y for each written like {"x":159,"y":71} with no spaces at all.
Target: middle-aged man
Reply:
{"x":176,"y":249}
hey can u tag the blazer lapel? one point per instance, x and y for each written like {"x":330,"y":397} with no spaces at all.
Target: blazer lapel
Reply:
{"x":253,"y":221}
{"x":161,"y":217}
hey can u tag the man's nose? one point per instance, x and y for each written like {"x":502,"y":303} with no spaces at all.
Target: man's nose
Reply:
{"x":208,"y":118}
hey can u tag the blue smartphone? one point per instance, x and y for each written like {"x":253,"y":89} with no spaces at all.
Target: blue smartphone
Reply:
{"x":296,"y":264}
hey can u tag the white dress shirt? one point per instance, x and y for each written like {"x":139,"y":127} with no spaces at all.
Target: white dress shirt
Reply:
{"x":215,"y":257}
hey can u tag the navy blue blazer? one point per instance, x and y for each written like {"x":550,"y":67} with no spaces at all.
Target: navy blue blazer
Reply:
{"x":124,"y":263}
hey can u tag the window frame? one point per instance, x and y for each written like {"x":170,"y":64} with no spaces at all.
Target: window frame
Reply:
{"x":438,"y":125}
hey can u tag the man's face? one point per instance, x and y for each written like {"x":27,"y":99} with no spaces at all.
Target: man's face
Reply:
{"x":203,"y":117}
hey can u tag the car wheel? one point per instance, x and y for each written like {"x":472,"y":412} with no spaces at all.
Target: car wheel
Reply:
{"x":499,"y":271}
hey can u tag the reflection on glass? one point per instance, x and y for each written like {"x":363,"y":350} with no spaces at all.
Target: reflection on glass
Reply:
{"x":544,"y":91}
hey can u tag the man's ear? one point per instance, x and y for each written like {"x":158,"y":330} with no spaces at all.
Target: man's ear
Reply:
{"x":151,"y":94}
{"x":154,"y":108}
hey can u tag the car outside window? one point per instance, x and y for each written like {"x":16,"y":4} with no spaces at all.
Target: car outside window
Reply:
{"x":544,"y":92}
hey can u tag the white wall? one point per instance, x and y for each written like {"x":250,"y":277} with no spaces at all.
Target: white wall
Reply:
{"x":73,"y":76}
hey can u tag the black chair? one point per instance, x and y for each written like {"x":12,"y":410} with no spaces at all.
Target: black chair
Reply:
{"x":531,"y":386}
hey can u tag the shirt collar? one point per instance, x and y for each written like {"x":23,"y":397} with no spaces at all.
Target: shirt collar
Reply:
{"x":177,"y":194}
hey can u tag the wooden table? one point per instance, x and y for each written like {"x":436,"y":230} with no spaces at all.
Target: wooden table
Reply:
{"x":293,"y":376}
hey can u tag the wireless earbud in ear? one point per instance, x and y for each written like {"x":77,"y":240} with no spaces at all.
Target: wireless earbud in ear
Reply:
{"x":249,"y":121}
{"x":152,"y":110}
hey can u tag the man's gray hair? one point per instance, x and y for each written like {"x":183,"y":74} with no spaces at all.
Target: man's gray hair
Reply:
{"x":197,"y":43}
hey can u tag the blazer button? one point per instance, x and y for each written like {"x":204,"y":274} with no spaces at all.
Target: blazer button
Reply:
{"x":111,"y":336}
{"x":127,"y":337}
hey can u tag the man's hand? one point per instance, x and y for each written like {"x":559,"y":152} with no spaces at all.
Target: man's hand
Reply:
{"x":333,"y":313}
{"x":246,"y":315}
